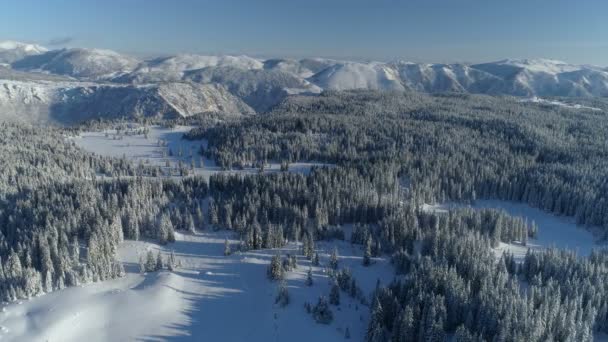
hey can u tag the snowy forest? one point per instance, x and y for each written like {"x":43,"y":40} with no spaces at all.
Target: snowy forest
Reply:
{"x":382,"y":156}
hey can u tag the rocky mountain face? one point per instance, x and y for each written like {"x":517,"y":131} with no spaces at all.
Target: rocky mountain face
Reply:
{"x":77,"y":84}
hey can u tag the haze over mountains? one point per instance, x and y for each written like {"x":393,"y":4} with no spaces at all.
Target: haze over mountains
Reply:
{"x":76,"y":84}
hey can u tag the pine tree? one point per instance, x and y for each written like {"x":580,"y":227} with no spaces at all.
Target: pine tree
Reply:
{"x":353,"y":289}
{"x":159,"y":262}
{"x":142,"y":265}
{"x":333,"y":259}
{"x":275,"y":269}
{"x":315,"y":260}
{"x":309,"y":280}
{"x":367,"y":256}
{"x":227,"y":247}
{"x":282,"y":297}
{"x":165,"y":230}
{"x":334,"y":294}
{"x":375,"y":331}
{"x":150,"y":262}
{"x":321,"y":312}
{"x":213,"y":214}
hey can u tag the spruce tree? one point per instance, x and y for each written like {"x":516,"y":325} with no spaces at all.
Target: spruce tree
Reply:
{"x":367,"y":256}
{"x":334,"y":294}
{"x":150,"y":262}
{"x":227,"y":247}
{"x":159,"y":262}
{"x":275,"y":269}
{"x":309,"y":280}
{"x":282,"y":298}
{"x":333,"y":259}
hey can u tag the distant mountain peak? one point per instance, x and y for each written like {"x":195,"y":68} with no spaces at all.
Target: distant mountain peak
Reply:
{"x":13,"y":45}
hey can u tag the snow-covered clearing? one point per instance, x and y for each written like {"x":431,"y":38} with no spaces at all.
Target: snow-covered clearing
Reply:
{"x":553,"y":231}
{"x":539,"y":100}
{"x":210,"y":297}
{"x":138,"y":147}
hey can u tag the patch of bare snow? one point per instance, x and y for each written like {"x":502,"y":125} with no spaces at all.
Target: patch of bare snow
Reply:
{"x":138,"y":148}
{"x":539,"y":100}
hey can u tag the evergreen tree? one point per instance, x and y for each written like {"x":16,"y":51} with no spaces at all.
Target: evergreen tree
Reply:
{"x":159,"y":262}
{"x":282,"y":298}
{"x":275,"y":269}
{"x":334,"y":294}
{"x":150,"y":262}
{"x":315,"y":260}
{"x":227,"y":247}
{"x":309,"y":280}
{"x":321,"y":312}
{"x":333,"y":259}
{"x":367,"y":256}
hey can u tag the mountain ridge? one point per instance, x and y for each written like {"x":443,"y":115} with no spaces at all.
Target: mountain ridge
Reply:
{"x":260,"y":84}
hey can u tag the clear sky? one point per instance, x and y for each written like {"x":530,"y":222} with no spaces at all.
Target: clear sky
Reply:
{"x":417,"y":30}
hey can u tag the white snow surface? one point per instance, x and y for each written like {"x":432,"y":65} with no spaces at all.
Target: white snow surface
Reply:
{"x":210,"y":297}
{"x":138,"y":148}
{"x":553,"y":231}
{"x":173,"y":68}
{"x":74,"y":101}
{"x":539,"y":100}
{"x":13,"y":45}
{"x":11,"y":51}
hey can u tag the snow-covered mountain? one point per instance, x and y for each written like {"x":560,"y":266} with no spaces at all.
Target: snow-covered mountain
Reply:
{"x":173,"y":68}
{"x":70,"y":102}
{"x":11,"y":51}
{"x":261,"y":89}
{"x":545,"y":77}
{"x":92,"y":64}
{"x":107,"y":81}
{"x":352,"y":75}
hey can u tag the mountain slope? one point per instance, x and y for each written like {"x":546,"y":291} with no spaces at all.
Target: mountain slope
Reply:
{"x":261,"y":89}
{"x":11,"y":51}
{"x":93,"y":64}
{"x":72,"y":102}
{"x":544,"y":77}
{"x":352,"y":75}
{"x":173,"y":68}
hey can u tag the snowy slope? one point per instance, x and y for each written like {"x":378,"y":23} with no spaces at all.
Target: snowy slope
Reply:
{"x":196,"y":301}
{"x":261,"y":89}
{"x":141,"y":149}
{"x":71,"y":102}
{"x":434,"y":78}
{"x":173,"y":68}
{"x":545,"y":77}
{"x":82,"y":63}
{"x":11,"y":51}
{"x":353,"y":75}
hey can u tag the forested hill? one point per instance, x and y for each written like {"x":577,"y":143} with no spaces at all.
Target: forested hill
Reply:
{"x":452,"y":147}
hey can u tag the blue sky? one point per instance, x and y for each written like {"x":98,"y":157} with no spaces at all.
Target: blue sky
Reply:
{"x":417,"y":30}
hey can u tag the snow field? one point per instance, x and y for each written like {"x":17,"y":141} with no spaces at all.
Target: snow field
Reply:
{"x":209,"y":297}
{"x":147,"y":150}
